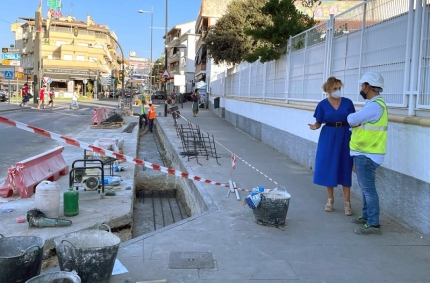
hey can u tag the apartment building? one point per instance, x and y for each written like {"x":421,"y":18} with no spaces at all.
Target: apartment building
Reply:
{"x":181,"y":41}
{"x":72,"y":53}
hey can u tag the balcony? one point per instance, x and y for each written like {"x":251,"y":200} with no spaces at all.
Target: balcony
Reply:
{"x":71,"y":64}
{"x":201,"y":67}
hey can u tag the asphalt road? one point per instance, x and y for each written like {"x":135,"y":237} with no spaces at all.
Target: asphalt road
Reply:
{"x":17,"y":144}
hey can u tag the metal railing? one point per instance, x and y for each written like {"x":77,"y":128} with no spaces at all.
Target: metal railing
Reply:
{"x":387,"y":36}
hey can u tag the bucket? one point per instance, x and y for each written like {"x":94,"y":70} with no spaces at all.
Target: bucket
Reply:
{"x":56,"y":277}
{"x":47,"y":198}
{"x":91,"y":253}
{"x":273,"y":208}
{"x":20,"y":258}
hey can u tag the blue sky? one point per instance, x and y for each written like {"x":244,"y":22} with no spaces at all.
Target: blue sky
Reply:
{"x":122,"y":17}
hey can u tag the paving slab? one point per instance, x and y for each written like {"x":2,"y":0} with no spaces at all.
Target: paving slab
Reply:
{"x":314,"y":246}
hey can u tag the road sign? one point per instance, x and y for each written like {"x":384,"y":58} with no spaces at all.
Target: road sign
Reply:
{"x":19,"y":75}
{"x":166,"y":74}
{"x":11,"y":50}
{"x":11,"y":56}
{"x":9,"y":75}
{"x":49,"y":81}
{"x":7,"y":62}
{"x":45,"y":79}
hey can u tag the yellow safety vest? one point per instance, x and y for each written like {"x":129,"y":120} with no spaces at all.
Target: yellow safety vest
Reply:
{"x":371,"y":137}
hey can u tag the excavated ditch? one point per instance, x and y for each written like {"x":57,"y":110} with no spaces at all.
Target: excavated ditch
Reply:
{"x":157,"y":201}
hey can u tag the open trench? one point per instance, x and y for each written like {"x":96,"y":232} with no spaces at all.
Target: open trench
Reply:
{"x":157,"y":203}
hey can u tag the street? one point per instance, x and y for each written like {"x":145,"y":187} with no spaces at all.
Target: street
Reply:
{"x":17,"y":144}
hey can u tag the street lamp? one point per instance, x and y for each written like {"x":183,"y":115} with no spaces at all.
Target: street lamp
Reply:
{"x":152,"y":16}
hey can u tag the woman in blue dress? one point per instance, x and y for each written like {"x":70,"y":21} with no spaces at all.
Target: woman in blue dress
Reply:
{"x":333,"y":163}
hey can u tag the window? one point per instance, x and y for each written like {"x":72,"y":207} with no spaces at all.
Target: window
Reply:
{"x":59,"y":43}
{"x":80,"y":58}
{"x":82,"y":44}
{"x":68,"y":57}
{"x":92,"y":59}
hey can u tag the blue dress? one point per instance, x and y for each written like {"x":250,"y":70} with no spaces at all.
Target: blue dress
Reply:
{"x":333,"y":163}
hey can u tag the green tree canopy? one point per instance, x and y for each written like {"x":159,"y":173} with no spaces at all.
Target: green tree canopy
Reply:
{"x":286,"y":21}
{"x":227,"y":41}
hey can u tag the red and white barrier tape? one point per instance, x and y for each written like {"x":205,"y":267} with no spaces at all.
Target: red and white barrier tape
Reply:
{"x":241,"y":159}
{"x":109,"y":153}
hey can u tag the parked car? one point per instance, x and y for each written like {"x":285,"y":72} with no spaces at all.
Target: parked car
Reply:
{"x":158,"y":94}
{"x":3,"y":96}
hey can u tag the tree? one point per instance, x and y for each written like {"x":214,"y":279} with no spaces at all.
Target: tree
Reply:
{"x":286,"y":21}
{"x":227,"y":41}
{"x":157,"y":70}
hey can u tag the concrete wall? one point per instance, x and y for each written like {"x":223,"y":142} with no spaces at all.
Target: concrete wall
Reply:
{"x":403,"y":180}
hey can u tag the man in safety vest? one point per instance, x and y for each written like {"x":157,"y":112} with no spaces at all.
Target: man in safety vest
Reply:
{"x":151,"y":115}
{"x":368,"y":146}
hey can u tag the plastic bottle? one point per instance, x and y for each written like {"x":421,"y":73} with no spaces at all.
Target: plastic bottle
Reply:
{"x":47,"y":198}
{"x":71,"y":202}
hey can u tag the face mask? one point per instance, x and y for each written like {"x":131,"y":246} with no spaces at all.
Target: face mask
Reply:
{"x":336,"y":94}
{"x":363,"y":94}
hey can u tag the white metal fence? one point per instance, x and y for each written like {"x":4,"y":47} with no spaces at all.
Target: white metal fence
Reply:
{"x":388,"y":36}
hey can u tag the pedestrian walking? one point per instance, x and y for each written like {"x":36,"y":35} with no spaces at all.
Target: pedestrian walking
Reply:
{"x":333,"y":163}
{"x":25,"y":96}
{"x":151,"y":116}
{"x":42,"y":97}
{"x":142,"y":113}
{"x":51,"y":98}
{"x":368,"y":147}
{"x":75,"y":97}
{"x":195,"y":97}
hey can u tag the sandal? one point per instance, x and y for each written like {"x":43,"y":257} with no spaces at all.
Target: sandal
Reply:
{"x":347,"y":206}
{"x":329,"y":205}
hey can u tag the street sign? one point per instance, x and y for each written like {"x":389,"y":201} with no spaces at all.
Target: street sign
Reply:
{"x":45,"y":79}
{"x":11,"y":56}
{"x":7,"y":62}
{"x":49,"y":81}
{"x":9,"y":75}
{"x":166,"y":74}
{"x":11,"y":50}
{"x":19,"y":75}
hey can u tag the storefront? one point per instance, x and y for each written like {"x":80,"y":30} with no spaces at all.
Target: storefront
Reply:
{"x":62,"y":77}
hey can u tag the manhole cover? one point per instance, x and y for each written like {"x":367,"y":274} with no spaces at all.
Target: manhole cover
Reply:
{"x":190,"y":260}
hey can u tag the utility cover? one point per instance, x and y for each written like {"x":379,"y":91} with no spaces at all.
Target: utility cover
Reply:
{"x":191,"y":260}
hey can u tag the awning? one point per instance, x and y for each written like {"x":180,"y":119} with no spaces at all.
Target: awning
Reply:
{"x":68,"y":77}
{"x":201,"y":85}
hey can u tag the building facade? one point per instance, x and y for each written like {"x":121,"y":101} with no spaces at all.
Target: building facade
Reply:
{"x":72,"y":53}
{"x":180,"y":57}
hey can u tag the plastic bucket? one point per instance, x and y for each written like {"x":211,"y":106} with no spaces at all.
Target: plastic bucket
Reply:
{"x":56,"y":277}
{"x":91,"y":253}
{"x":20,"y":258}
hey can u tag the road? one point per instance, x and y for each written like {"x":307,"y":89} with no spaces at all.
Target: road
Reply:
{"x":17,"y":144}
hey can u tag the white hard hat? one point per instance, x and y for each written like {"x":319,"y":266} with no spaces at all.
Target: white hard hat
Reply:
{"x":373,"y":79}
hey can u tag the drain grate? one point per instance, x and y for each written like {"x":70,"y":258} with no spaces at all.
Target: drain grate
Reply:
{"x":130,"y":127}
{"x":191,"y":260}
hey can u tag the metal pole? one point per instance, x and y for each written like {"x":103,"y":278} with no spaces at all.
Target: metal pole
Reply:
{"x":165,"y":62}
{"x":151,"y":66}
{"x":10,"y":95}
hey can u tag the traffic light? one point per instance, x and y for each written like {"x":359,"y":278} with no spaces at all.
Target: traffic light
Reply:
{"x":75,"y":31}
{"x":121,"y":74}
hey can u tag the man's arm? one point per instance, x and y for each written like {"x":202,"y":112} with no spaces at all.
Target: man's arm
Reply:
{"x":371,"y":112}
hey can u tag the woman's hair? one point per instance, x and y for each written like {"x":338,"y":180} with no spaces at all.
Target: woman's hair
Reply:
{"x":331,"y":82}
